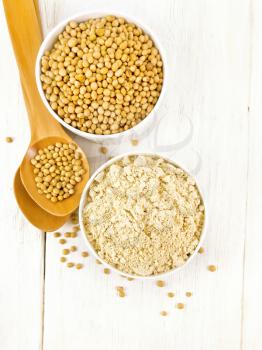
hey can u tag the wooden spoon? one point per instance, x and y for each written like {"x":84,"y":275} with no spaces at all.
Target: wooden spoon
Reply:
{"x":26,"y":37}
{"x":35,"y":214}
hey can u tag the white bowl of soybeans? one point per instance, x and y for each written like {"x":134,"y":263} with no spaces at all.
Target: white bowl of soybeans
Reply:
{"x":102,"y":75}
{"x":142,"y":216}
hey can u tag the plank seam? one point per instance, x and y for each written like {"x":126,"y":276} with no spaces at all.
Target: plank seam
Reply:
{"x":43,"y":294}
{"x":247,"y":174}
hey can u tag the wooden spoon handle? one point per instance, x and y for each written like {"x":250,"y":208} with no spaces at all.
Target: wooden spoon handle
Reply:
{"x":37,"y":12}
{"x":25,"y":32}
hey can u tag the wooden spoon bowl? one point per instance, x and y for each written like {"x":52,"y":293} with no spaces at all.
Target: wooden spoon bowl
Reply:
{"x":66,"y":206}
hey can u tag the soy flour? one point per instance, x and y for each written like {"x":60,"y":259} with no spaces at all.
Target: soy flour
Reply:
{"x":143,"y":215}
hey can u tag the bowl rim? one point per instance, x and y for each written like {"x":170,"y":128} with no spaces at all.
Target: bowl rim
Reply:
{"x":78,"y":17}
{"x":91,"y":248}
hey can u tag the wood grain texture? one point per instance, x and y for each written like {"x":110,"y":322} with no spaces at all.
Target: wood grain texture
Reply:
{"x":252,"y":274}
{"x":212,"y":113}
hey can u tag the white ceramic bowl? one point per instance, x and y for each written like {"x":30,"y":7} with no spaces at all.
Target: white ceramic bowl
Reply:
{"x":48,"y":44}
{"x":89,"y":245}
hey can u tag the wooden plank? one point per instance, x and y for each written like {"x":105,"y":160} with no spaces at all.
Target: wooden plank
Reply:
{"x":22,"y":255}
{"x":207,"y":44}
{"x":252,"y":315}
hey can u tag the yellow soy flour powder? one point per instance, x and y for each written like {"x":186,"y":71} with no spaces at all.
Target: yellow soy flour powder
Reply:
{"x":143,"y":215}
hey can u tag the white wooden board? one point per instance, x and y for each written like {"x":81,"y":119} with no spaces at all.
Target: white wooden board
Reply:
{"x":212,"y":114}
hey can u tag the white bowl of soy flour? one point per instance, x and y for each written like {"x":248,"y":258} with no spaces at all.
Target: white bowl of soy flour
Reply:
{"x":142,"y":215}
